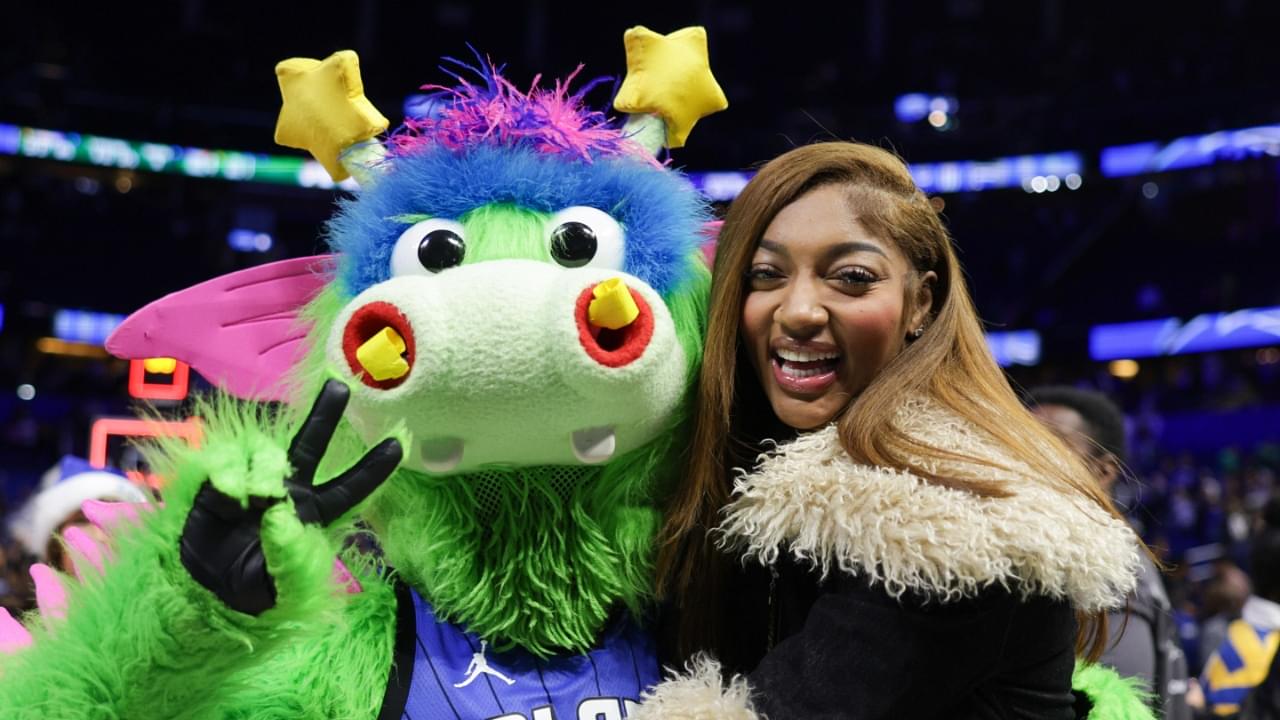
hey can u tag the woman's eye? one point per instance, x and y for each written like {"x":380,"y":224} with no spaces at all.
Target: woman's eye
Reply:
{"x":856,"y":276}
{"x":763,"y":274}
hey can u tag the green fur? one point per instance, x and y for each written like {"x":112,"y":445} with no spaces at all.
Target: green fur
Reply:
{"x":318,"y":317}
{"x":1113,"y":697}
{"x":688,"y":306}
{"x":535,"y":563}
{"x":311,"y":373}
{"x":524,"y":562}
{"x":147,"y":641}
{"x":504,"y":232}
{"x":499,"y":231}
{"x":338,"y":672}
{"x":518,"y":561}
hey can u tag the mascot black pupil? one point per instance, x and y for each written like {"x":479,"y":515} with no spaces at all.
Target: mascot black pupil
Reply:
{"x":573,"y":244}
{"x":441,"y":249}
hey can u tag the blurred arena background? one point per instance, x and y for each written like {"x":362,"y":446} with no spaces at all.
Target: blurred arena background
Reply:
{"x":1111,"y":173}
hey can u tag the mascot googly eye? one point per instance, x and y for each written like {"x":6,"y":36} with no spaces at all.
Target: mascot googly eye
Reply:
{"x":429,"y":247}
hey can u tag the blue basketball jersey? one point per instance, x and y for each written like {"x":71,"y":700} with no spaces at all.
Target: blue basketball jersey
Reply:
{"x":443,"y":672}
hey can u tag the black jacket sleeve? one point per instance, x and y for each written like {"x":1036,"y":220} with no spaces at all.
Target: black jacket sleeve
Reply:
{"x":863,"y":654}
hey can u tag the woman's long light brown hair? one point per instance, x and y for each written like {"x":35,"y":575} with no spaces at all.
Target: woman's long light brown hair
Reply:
{"x":949,"y":364}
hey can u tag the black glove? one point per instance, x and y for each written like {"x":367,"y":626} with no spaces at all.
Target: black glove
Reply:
{"x":221,"y":545}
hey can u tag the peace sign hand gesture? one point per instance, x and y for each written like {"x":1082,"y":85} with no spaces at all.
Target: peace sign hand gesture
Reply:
{"x":222,"y":539}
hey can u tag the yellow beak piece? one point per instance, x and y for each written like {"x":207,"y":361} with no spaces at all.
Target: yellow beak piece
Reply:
{"x":380,"y":355}
{"x":613,"y":306}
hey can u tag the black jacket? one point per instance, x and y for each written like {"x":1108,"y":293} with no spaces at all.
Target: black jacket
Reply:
{"x":857,"y":652}
{"x":889,"y":597}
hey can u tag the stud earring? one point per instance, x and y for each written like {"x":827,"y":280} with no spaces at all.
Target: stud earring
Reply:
{"x":915,"y":334}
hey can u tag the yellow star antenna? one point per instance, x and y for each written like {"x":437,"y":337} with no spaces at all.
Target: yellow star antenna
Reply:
{"x":669,"y":85}
{"x":324,"y":111}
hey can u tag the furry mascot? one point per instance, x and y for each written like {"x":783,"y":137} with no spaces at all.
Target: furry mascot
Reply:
{"x":496,"y":360}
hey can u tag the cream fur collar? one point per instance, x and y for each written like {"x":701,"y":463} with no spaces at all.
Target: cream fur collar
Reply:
{"x":809,"y":498}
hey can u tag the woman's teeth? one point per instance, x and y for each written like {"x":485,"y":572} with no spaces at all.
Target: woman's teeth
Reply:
{"x":798,"y":356}
{"x":798,"y":365}
{"x":798,"y":373}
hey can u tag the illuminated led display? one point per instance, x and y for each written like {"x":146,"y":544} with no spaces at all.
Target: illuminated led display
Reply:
{"x":940,"y":177}
{"x":156,"y":157}
{"x":140,"y":388}
{"x":84,"y":326}
{"x":1190,"y":151}
{"x":1255,"y":327}
{"x":1015,"y":347}
{"x":190,"y":430}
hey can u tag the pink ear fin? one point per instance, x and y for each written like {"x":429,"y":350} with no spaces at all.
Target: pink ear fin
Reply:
{"x":241,"y":331}
{"x":710,"y":235}
{"x":13,"y":637}
{"x":343,"y":577}
{"x":89,"y":550}
{"x":106,"y":515}
{"x":51,"y":595}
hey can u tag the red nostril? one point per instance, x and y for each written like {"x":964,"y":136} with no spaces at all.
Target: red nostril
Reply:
{"x":614,"y":348}
{"x":367,"y":321}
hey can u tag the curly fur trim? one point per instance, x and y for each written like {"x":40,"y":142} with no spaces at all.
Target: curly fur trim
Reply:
{"x":699,"y":693}
{"x":810,"y":498}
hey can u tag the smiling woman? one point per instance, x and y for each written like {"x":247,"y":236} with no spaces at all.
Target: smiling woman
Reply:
{"x":828,"y":306}
{"x":921,"y":546}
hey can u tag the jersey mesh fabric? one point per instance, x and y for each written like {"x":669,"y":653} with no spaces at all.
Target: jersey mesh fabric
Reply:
{"x":456,"y":678}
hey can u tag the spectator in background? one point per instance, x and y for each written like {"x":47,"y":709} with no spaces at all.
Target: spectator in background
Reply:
{"x":1186,"y":617}
{"x":16,"y":594}
{"x":1144,"y":640}
{"x":1182,"y":521}
{"x":1262,"y":609}
{"x":1213,"y":515}
{"x":40,"y":523}
{"x":1223,"y":601}
{"x":1242,"y":660}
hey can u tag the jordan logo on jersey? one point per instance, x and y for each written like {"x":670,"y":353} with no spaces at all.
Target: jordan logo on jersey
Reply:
{"x":443,"y":672}
{"x":478,"y":666}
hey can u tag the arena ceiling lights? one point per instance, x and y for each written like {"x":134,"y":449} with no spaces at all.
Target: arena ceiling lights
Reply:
{"x":236,"y":166}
